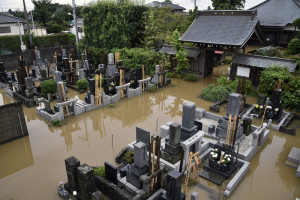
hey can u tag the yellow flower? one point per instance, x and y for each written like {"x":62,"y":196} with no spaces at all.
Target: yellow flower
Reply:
{"x":256,"y":105}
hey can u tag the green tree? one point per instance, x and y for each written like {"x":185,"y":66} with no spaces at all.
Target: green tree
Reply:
{"x":228,"y":4}
{"x":181,"y":56}
{"x":297,"y":23}
{"x":293,"y":47}
{"x":43,"y":10}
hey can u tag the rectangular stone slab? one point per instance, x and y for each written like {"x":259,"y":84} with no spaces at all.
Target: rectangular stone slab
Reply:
{"x":142,"y":136}
{"x":212,"y":176}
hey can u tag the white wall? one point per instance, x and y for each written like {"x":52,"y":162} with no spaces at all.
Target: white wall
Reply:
{"x":80,"y":35}
{"x":13,"y":28}
{"x":39,"y":31}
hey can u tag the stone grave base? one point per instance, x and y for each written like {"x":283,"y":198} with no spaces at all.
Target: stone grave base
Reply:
{"x":70,"y":189}
{"x":164,"y":196}
{"x":293,"y":160}
{"x":27,"y":102}
{"x":235,"y":179}
{"x":170,"y":158}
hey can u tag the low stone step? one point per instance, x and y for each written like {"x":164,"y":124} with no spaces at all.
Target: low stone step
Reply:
{"x":291,"y":164}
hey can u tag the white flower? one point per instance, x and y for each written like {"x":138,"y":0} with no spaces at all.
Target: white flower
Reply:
{"x":276,"y":109}
{"x":230,"y":155}
{"x":211,"y":153}
{"x":216,"y":149}
{"x":74,"y":193}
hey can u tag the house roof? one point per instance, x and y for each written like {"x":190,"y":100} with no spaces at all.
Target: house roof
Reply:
{"x":170,"y":50}
{"x":264,"y":61}
{"x":232,"y":28}
{"x":165,"y":4}
{"x":5,"y":19}
{"x":277,"y":13}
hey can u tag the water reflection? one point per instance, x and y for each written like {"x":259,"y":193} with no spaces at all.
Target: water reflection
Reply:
{"x":15,"y":156}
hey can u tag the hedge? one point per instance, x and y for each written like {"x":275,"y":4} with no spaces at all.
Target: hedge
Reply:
{"x":12,"y":43}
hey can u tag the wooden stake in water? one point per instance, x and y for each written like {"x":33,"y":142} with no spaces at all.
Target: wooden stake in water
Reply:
{"x":228,"y":129}
{"x":112,"y":140}
{"x":121,"y":83}
{"x":263,"y":117}
{"x":100,"y":102}
{"x":96,"y":90}
{"x":143,"y":72}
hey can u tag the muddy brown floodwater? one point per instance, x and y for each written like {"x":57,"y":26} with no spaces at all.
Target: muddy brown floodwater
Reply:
{"x":31,"y":167}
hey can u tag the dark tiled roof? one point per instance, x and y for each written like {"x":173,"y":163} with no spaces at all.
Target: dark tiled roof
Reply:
{"x":4,"y":19}
{"x":164,"y":4}
{"x":223,"y":27}
{"x":277,"y":12}
{"x":170,"y":50}
{"x":264,"y":61}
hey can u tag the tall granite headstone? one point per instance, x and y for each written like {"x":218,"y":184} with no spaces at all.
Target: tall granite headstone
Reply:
{"x":234,"y":101}
{"x":86,"y":180}
{"x":71,"y":167}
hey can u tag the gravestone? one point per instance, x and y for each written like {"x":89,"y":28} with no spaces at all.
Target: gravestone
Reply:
{"x":43,"y":73}
{"x":29,"y":83}
{"x":173,"y":186}
{"x":71,"y":167}
{"x":188,"y":117}
{"x":194,"y":196}
{"x":261,"y":99}
{"x":247,"y":126}
{"x":140,"y":154}
{"x":64,"y":54}
{"x":175,"y":130}
{"x":139,"y":167}
{"x":92,"y":86}
{"x":2,"y":69}
{"x":81,"y":73}
{"x":58,"y":76}
{"x":111,"y":173}
{"x":142,"y":136}
{"x":86,"y":181}
{"x":111,"y":59}
{"x":234,"y":104}
{"x":47,"y":106}
{"x":276,"y":100}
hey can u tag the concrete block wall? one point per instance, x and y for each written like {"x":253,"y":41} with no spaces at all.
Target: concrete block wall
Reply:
{"x":12,"y":122}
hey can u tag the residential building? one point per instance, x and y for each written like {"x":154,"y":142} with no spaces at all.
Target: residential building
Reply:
{"x":9,"y":25}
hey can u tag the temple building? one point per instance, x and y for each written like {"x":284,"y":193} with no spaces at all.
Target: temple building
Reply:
{"x":276,"y":18}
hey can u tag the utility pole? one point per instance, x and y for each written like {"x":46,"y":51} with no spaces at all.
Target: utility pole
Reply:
{"x":32,"y":22}
{"x":26,"y":15}
{"x":75,"y":21}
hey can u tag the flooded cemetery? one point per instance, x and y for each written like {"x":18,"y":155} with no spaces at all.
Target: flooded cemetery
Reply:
{"x":206,"y":116}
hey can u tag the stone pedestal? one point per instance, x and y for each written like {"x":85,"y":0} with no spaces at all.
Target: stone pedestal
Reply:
{"x":173,"y":186}
{"x":235,"y":104}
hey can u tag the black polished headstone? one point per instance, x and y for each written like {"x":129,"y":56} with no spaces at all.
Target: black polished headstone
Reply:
{"x":111,"y":173}
{"x":174,"y":186}
{"x":92,"y":86}
{"x":2,"y":69}
{"x":276,"y":100}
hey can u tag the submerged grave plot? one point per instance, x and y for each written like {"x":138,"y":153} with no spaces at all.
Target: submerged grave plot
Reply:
{"x":114,"y":87}
{"x":181,"y":150}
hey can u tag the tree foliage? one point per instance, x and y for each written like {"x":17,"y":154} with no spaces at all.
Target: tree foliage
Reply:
{"x":181,"y":56}
{"x":293,"y":47}
{"x":43,"y":10}
{"x":291,"y":93}
{"x":269,"y":76}
{"x":110,"y":24}
{"x":228,"y":4}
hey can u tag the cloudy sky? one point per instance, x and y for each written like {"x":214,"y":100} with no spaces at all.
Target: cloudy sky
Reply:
{"x":188,"y":4}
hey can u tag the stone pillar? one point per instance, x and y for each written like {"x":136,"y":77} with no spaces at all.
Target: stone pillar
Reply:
{"x":86,"y":180}
{"x":175,"y":130}
{"x":233,"y":107}
{"x":81,"y":73}
{"x":194,"y":196}
{"x":71,"y":165}
{"x":174,"y":185}
{"x":140,"y":154}
{"x":188,"y":117}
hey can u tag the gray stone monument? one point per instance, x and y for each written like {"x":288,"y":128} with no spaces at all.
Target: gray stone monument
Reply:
{"x":194,"y":196}
{"x":188,"y":121}
{"x":58,"y":76}
{"x":234,"y":104}
{"x":111,"y":60}
{"x":81,"y":73}
{"x":142,"y":136}
{"x":139,"y":167}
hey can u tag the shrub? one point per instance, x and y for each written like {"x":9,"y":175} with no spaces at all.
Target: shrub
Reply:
{"x":191,"y":78}
{"x":99,"y":171}
{"x":152,"y":89}
{"x":223,"y":80}
{"x":112,"y":105}
{"x":272,"y":52}
{"x":129,"y":157}
{"x":293,"y":47}
{"x":227,"y":61}
{"x":249,"y":89}
{"x":48,"y":86}
{"x":56,"y":122}
{"x":291,"y":94}
{"x":82,"y":84}
{"x":171,"y":74}
{"x":215,"y":93}
{"x":269,"y":76}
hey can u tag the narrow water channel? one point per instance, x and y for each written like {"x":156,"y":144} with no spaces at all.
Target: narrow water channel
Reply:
{"x":31,"y":167}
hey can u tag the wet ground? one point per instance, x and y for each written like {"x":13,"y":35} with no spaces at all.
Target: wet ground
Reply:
{"x":31,"y":167}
